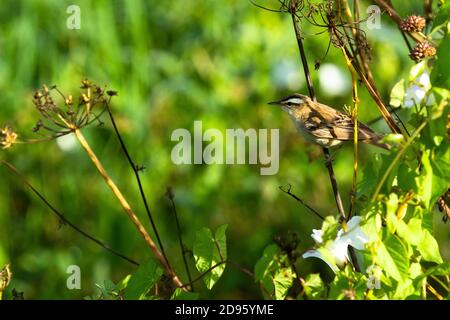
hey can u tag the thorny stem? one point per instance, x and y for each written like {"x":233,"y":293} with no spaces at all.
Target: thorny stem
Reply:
{"x":138,"y":180}
{"x":63,"y":218}
{"x":127,"y":208}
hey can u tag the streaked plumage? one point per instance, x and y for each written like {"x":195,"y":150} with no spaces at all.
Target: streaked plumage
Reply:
{"x":324,"y":125}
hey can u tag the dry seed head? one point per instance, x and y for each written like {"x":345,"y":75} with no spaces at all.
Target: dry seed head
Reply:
{"x":7,"y":137}
{"x":69,"y":100}
{"x":422,"y":50}
{"x":413,"y":24}
{"x":5,"y":277}
{"x":85,"y":98}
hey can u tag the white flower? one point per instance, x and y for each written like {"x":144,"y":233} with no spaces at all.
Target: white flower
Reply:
{"x":416,"y":93}
{"x":335,"y":253}
{"x":317,"y":236}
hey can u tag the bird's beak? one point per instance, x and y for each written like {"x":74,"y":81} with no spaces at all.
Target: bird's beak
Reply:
{"x":277,"y":103}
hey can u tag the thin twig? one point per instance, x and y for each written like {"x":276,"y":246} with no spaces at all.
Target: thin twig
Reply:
{"x":170,"y":196}
{"x":63,"y":218}
{"x":314,"y":211}
{"x":134,"y":167}
{"x":234,"y":264}
{"x":303,"y":57}
{"x":337,"y":196}
{"x":326,"y":153}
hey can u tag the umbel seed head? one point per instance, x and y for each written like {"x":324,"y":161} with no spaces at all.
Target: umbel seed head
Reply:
{"x":422,"y":50}
{"x":413,"y":24}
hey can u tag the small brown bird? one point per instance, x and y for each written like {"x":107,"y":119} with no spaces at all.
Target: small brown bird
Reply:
{"x":324,"y":125}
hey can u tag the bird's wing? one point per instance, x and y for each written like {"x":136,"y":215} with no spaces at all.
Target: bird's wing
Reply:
{"x":332,"y":124}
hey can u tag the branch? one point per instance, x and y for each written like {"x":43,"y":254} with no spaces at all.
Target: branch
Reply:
{"x":138,"y":180}
{"x":288,"y":191}
{"x":398,"y":20}
{"x":63,"y":218}
{"x":326,"y":153}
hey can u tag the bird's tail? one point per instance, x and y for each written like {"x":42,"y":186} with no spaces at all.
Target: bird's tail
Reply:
{"x":378,"y":143}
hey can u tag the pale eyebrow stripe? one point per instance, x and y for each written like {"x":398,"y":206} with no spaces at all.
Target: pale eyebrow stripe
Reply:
{"x":295,"y":100}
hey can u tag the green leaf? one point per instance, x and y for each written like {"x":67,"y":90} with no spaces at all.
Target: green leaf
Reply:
{"x":282,"y":281}
{"x":441,"y":270}
{"x":429,"y":248}
{"x":399,"y":254}
{"x":411,"y":232}
{"x":264,"y":264}
{"x":440,"y":75}
{"x":392,"y":258}
{"x":314,"y":287}
{"x":440,"y":165}
{"x":209,"y":250}
{"x":397,"y":94}
{"x":179,"y":294}
{"x":123,"y":283}
{"x":273,"y":274}
{"x":146,"y":275}
{"x":425,"y":181}
{"x":442,"y":16}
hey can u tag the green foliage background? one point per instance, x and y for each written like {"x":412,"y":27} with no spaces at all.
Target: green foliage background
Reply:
{"x":172,"y":62}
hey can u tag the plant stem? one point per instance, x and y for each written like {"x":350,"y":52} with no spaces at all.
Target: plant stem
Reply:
{"x":180,"y":240}
{"x":337,"y":196}
{"x":127,"y":208}
{"x":326,"y":153}
{"x":355,"y":134}
{"x":303,"y":57}
{"x":396,"y":159}
{"x":138,"y":180}
{"x":13,"y":169}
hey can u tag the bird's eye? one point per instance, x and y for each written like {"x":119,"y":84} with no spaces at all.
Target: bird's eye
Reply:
{"x":289,"y":103}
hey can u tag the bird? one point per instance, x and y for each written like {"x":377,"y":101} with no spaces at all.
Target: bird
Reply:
{"x":324,"y":125}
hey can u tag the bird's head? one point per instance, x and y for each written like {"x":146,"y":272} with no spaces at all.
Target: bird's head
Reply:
{"x":291,"y":102}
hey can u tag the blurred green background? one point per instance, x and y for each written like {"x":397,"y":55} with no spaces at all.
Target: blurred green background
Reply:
{"x":172,"y":62}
